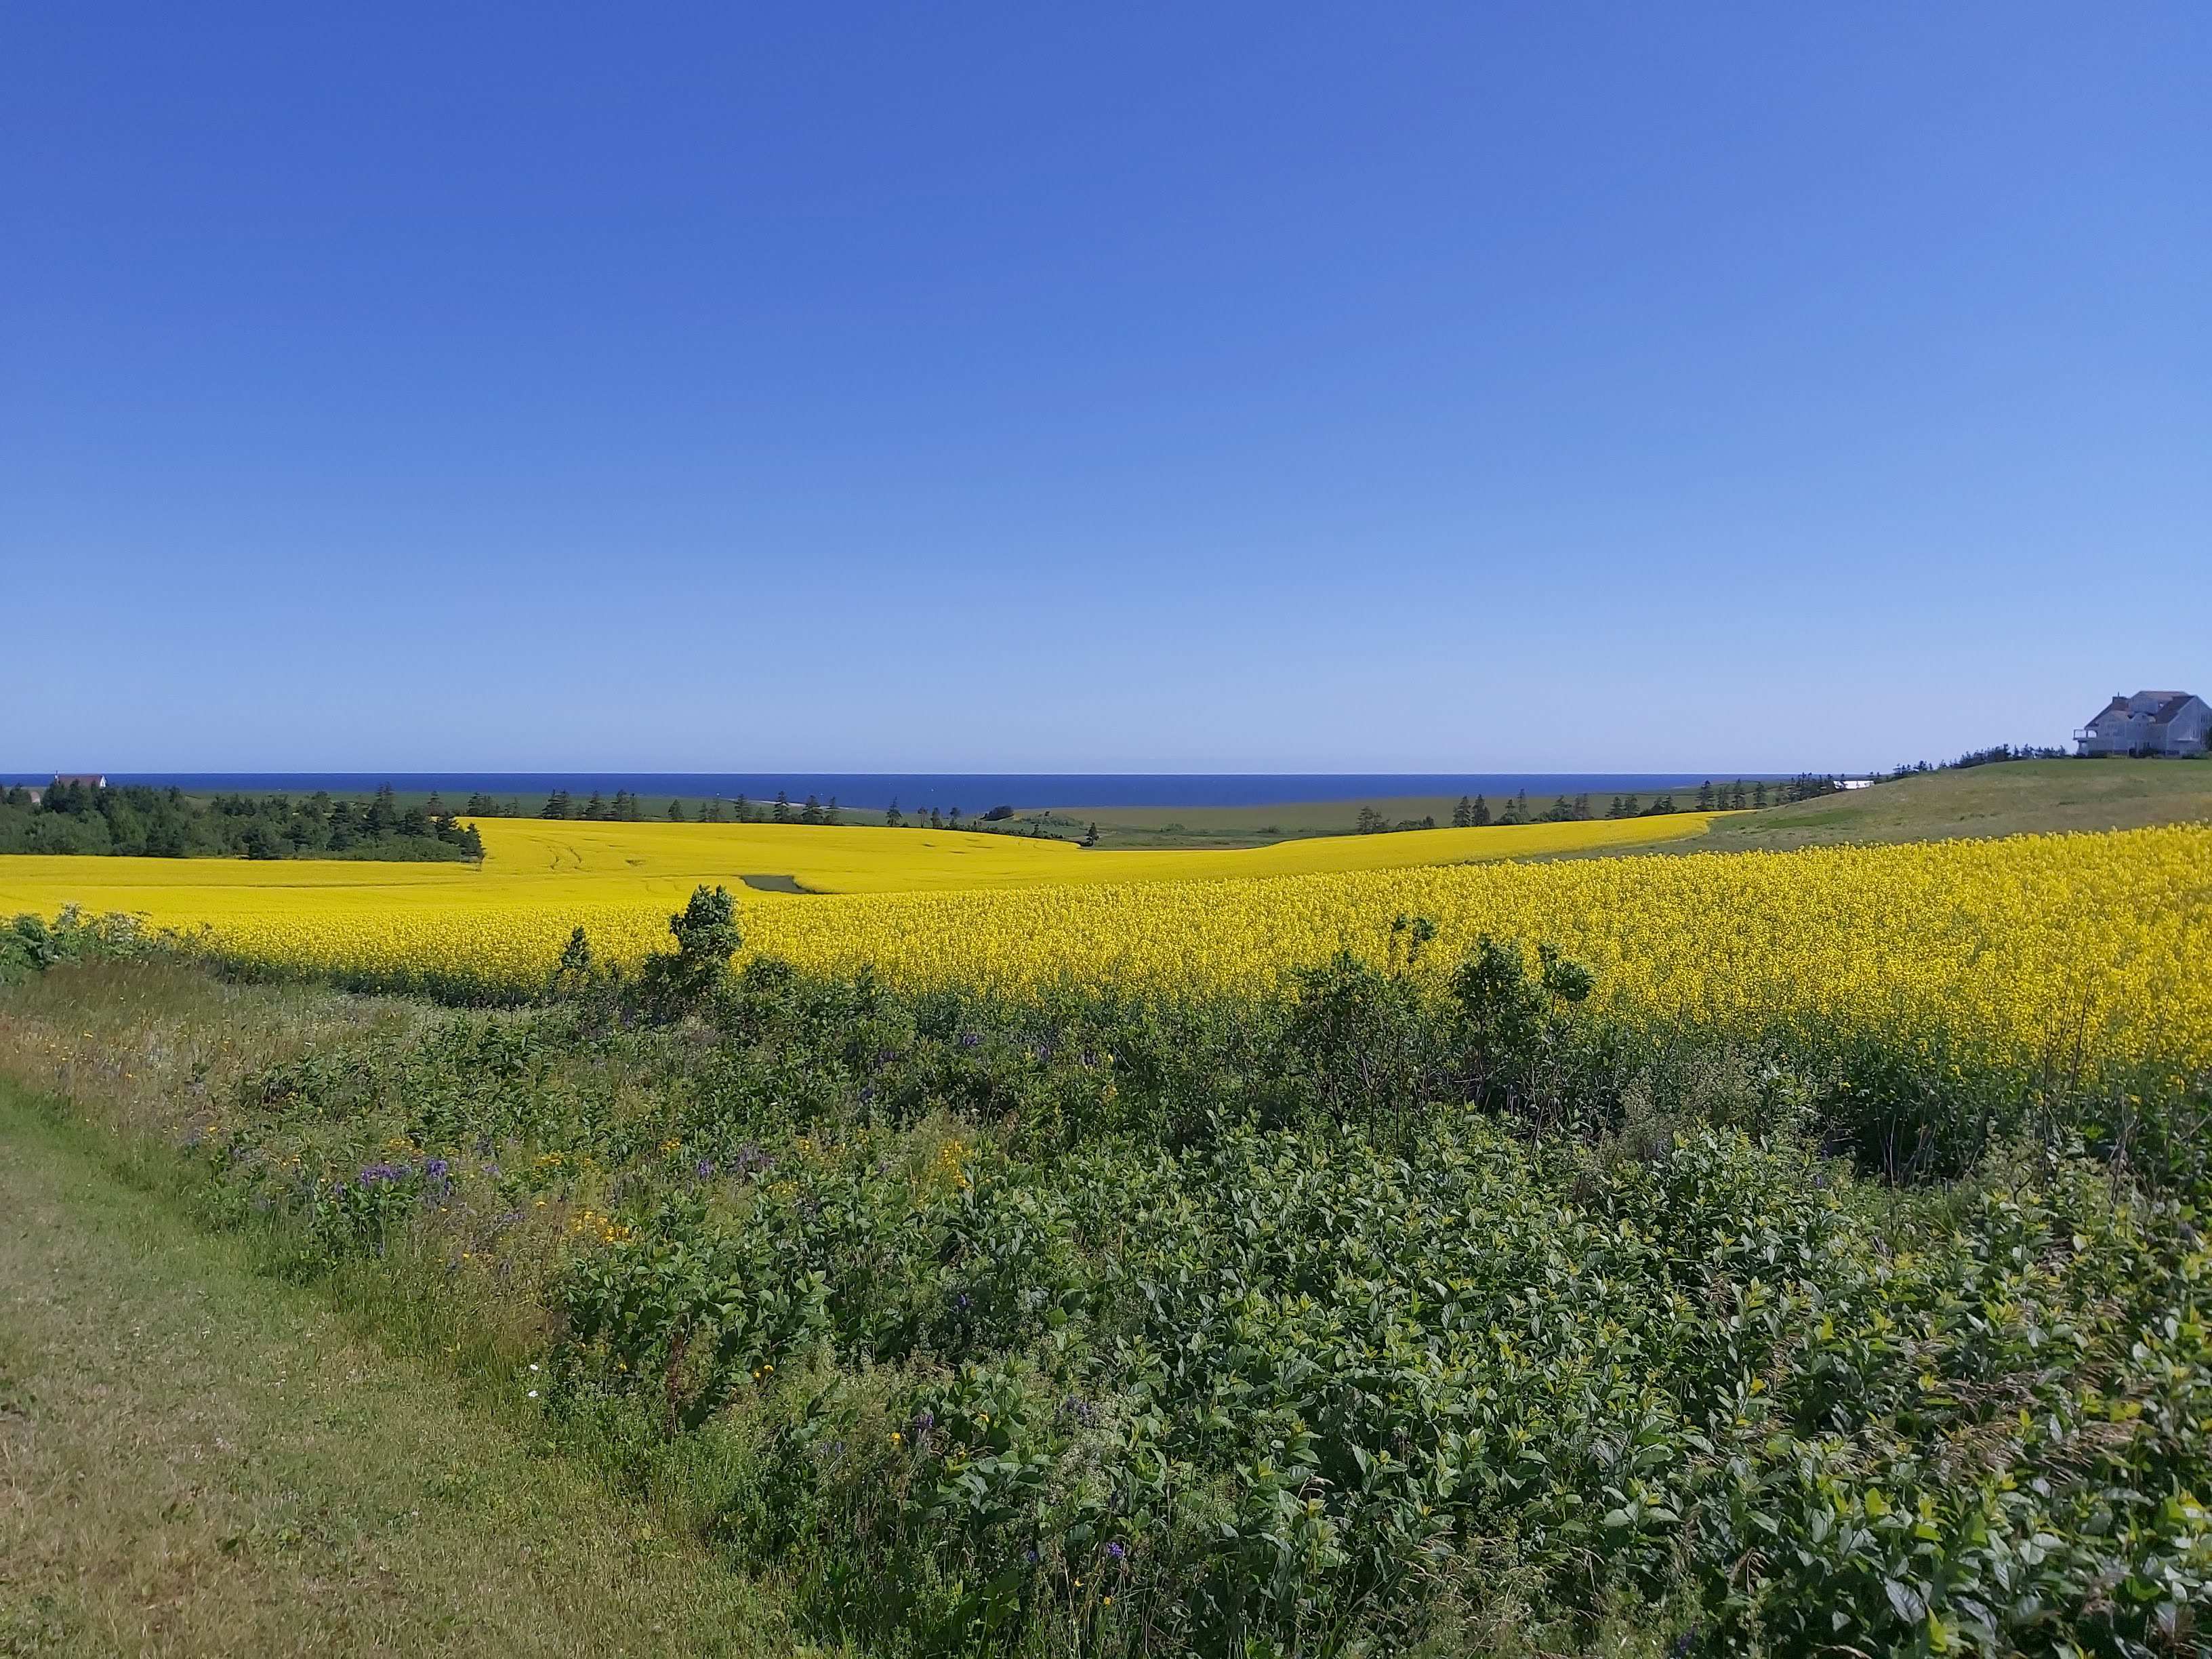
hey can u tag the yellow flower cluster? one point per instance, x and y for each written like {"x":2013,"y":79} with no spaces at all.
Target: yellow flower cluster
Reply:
{"x":2040,"y":947}
{"x":948,"y":1170}
{"x":596,"y":1225}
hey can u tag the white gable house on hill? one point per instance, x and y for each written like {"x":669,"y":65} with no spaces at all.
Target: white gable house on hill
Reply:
{"x":2148,"y":723}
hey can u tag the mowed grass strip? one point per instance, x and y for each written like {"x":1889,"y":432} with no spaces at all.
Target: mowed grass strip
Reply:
{"x":198,"y":1459}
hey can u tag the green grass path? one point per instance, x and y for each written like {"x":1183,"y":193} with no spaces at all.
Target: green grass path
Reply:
{"x":198,"y":1459}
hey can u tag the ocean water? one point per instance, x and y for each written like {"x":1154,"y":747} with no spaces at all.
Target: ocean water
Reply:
{"x":971,"y":792}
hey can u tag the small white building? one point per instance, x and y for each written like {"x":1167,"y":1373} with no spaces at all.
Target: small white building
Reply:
{"x":2148,"y":723}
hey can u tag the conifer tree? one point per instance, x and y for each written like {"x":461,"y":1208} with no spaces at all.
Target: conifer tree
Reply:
{"x":1705,"y":796}
{"x":830,"y":813}
{"x":675,"y":811}
{"x":383,"y":817}
{"x":1478,"y":818}
{"x":782,"y":808}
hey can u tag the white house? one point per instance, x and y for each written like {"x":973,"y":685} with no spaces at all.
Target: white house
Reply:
{"x":2148,"y":723}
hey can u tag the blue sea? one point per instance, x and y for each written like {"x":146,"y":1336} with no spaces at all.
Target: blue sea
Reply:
{"x":971,"y":792}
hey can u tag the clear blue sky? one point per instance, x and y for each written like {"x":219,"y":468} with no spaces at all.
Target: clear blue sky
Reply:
{"x":1172,"y":387}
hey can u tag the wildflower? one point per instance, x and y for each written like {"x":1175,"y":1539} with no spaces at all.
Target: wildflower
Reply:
{"x":1117,"y":1550}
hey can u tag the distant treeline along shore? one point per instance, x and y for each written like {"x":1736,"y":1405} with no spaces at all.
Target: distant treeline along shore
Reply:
{"x":134,"y":820}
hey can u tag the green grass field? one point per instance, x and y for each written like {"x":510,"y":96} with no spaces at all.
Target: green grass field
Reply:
{"x":2011,"y":798}
{"x":1259,"y":826}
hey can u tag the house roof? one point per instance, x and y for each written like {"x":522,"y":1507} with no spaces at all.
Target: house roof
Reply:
{"x":2160,"y":706}
{"x":94,"y":779}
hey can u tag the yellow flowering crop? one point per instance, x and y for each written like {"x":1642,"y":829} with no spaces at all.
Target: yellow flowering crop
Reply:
{"x":2033,"y":946}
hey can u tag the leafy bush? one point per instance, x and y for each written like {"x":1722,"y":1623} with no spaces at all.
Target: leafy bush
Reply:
{"x":29,"y":944}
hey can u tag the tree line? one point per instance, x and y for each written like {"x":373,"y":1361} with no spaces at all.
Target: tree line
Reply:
{"x":141,"y":821}
{"x":626,"y":807}
{"x":1474,"y":812}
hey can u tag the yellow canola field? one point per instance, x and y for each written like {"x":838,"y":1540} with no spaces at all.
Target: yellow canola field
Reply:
{"x":2047,"y":948}
{"x":534,"y":864}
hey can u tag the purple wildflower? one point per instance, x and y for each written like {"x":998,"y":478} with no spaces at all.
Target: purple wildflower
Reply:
{"x":706,"y":1169}
{"x":1117,"y":1551}
{"x":436,"y":1169}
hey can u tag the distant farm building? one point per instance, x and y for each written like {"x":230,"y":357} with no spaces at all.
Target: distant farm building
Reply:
{"x":90,"y":780}
{"x":2148,"y":723}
